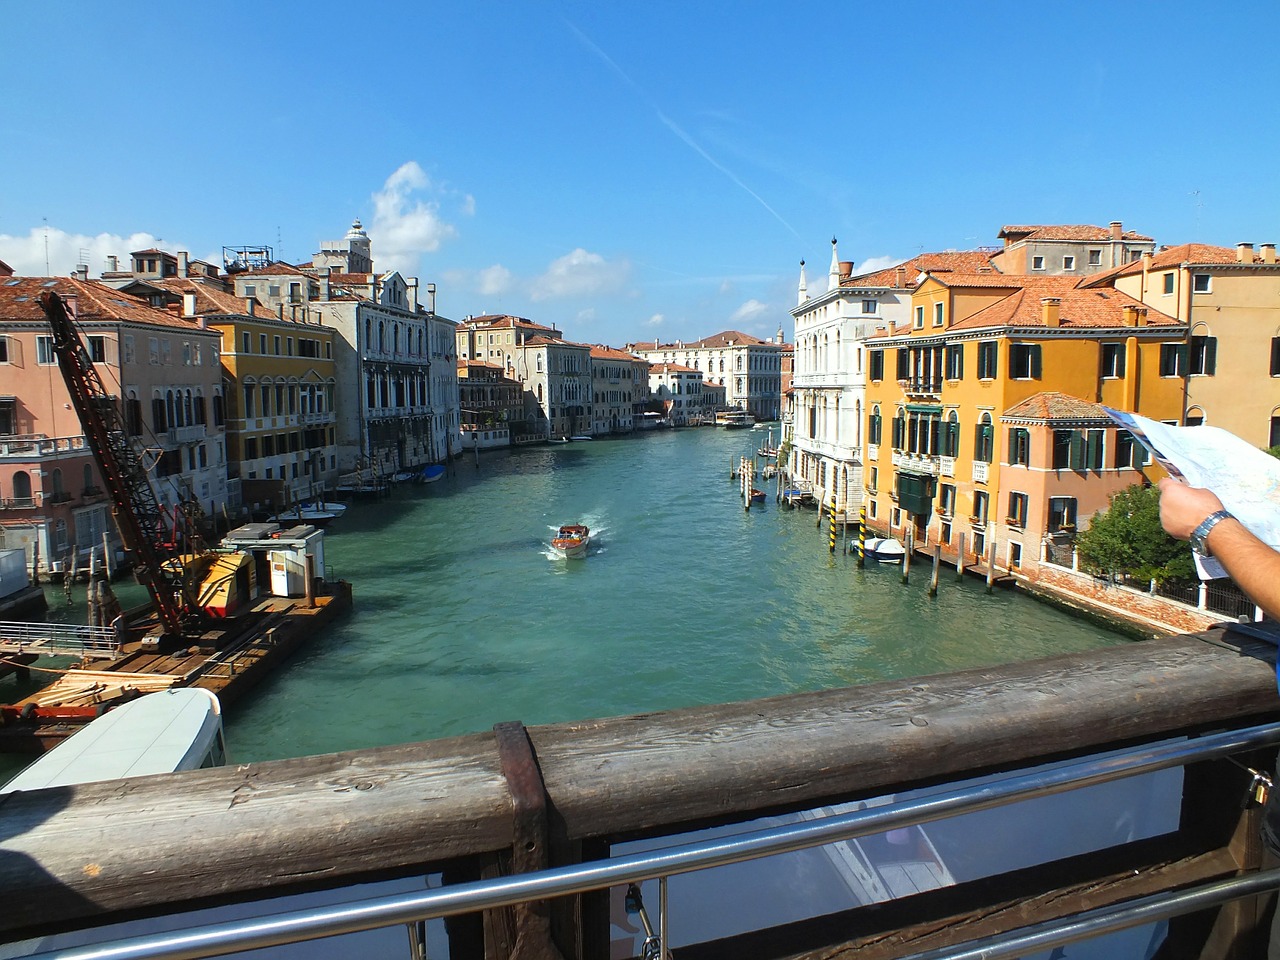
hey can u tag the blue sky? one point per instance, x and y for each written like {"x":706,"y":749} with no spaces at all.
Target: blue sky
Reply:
{"x":628,"y":171}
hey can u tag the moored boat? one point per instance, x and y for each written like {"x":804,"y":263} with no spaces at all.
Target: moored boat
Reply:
{"x":316,"y":516}
{"x":884,"y":549}
{"x":431,"y":474}
{"x":757,"y":496}
{"x":571,"y":541}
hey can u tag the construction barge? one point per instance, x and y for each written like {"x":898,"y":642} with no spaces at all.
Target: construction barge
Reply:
{"x":271,"y":614}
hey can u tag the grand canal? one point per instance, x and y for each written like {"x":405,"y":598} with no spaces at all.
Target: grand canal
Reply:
{"x":464,"y":618}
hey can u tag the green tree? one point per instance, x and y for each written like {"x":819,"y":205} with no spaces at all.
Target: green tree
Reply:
{"x":1127,"y":538}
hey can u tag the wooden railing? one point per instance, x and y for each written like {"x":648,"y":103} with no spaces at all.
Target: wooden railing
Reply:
{"x":558,"y":794}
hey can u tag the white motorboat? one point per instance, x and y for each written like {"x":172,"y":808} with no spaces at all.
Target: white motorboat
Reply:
{"x":884,"y":549}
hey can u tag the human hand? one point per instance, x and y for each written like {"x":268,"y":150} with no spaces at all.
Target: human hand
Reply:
{"x":1182,"y":507}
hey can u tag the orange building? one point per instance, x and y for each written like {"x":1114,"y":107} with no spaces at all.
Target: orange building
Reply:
{"x":984,"y":410}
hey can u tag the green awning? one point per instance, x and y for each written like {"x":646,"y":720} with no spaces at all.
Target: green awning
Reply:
{"x":915,"y":493}
{"x":924,"y":408}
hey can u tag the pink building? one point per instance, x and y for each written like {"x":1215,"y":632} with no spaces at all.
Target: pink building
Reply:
{"x":164,"y":372}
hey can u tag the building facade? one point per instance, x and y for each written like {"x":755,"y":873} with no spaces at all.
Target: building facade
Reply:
{"x":166,"y":375}
{"x":619,"y":390}
{"x":748,"y":368}
{"x":491,"y":402}
{"x":1068,"y":249}
{"x":680,"y":391}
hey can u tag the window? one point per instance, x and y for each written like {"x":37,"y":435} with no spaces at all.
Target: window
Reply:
{"x":988,"y":352}
{"x":947,"y":499}
{"x":1095,"y":258}
{"x":262,"y":343}
{"x":1037,"y":263}
{"x":904,"y":363}
{"x":1068,"y":263}
{"x":1019,"y":446}
{"x":955,"y":361}
{"x":874,"y":426}
{"x":1062,"y":513}
{"x":98,"y":349}
{"x":1275,"y":433}
{"x":1168,"y":283}
{"x":1173,"y":359}
{"x":1018,"y":509}
{"x":4,"y":349}
{"x":1201,"y":283}
{"x":128,"y":348}
{"x":875,"y":479}
{"x":1015,"y":555}
{"x":869,"y":306}
{"x":44,"y":350}
{"x":980,"y":501}
{"x":1112,"y":360}
{"x":1275,"y":356}
{"x":951,"y":435}
{"x":1203,"y":356}
{"x":1024,"y":361}
{"x":875,"y":366}
{"x":1077,"y":449}
{"x":937,"y":314}
{"x":919,"y":318}
{"x":275,"y":345}
{"x":246,"y":344}
{"x":983,"y":439}
{"x":899,"y":431}
{"x":1129,"y":452}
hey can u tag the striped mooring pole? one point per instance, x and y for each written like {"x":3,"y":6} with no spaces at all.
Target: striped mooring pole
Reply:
{"x":862,"y":536}
{"x":832,"y":538}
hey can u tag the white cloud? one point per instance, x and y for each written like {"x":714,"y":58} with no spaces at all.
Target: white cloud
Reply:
{"x":578,"y":274}
{"x":586,"y":316}
{"x":726,"y":286}
{"x":469,"y":206}
{"x":749,"y":311}
{"x":27,"y":255}
{"x":494,"y":281}
{"x":656,"y":320}
{"x":876,"y":263}
{"x":405,"y":227}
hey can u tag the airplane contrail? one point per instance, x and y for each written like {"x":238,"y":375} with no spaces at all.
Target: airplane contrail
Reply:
{"x":675,"y":127}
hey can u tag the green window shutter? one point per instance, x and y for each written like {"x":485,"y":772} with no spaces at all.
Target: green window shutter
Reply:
{"x":1093,"y":455}
{"x":1035,"y":361}
{"x":1184,"y":357}
{"x":1077,"y":450}
{"x":1210,"y":355}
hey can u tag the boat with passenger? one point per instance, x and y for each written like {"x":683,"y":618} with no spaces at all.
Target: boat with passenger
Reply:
{"x":571,"y":541}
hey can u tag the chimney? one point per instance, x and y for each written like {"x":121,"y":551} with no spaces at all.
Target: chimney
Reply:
{"x":328,"y":279}
{"x":846,"y":268}
{"x":1268,"y":253}
{"x":184,"y":264}
{"x":1244,"y":253}
{"x":113,"y":263}
{"x":188,"y":305}
{"x":413,"y":295}
{"x":902,"y":278}
{"x":1130,"y":315}
{"x":1051,"y":311}
{"x":73,"y":305}
{"x":1146,"y":260}
{"x":431,"y":298}
{"x":82,"y":272}
{"x":251,"y":306}
{"x":1141,"y":314}
{"x":1117,"y":230}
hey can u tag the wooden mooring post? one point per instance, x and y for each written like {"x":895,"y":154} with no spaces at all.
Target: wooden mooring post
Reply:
{"x":937,"y":562}
{"x":960,"y":556}
{"x":908,"y":548}
{"x":260,"y":830}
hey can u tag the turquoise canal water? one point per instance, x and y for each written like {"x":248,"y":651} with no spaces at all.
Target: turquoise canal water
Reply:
{"x":464,"y":617}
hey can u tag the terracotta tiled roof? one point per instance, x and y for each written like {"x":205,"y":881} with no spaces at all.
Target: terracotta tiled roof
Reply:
{"x":723,"y":339}
{"x":1008,"y":281}
{"x":95,"y":302}
{"x":1192,"y":254}
{"x":149,"y":250}
{"x":611,"y":353}
{"x":1080,"y":308}
{"x":672,"y":368}
{"x":950,"y":261}
{"x":210,"y":299}
{"x":360,"y":278}
{"x":1060,"y":231}
{"x":1055,"y":406}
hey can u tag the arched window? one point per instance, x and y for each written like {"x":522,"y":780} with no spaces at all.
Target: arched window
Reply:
{"x":56,"y":480}
{"x":171,"y":410}
{"x":88,"y":477}
{"x":382,"y":336}
{"x":188,"y":411}
{"x":22,"y":485}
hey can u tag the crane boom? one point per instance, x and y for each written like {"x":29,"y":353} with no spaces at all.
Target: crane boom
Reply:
{"x":137,"y":510}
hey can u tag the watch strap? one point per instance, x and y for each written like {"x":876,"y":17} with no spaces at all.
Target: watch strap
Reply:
{"x":1201,"y":533}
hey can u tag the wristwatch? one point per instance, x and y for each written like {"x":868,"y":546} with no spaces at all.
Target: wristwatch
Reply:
{"x":1200,"y":534}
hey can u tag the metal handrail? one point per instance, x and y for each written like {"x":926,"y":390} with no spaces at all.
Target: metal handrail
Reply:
{"x":374,"y":912}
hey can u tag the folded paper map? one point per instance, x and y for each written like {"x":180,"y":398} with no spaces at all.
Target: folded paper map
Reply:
{"x":1245,"y":479}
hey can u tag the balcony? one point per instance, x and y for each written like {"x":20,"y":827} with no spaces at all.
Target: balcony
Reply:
{"x":41,"y":447}
{"x":873,"y":451}
{"x":980,"y":471}
{"x":316,"y":417}
{"x":947,"y":466}
{"x":916,"y":463}
{"x":19,"y":503}
{"x":191,"y":434}
{"x":922,"y":386}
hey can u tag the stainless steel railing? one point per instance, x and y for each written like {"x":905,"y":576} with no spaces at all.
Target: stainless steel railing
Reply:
{"x":309,"y":924}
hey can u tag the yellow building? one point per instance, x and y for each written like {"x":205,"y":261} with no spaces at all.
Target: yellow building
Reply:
{"x":997,"y":380}
{"x":1229,"y":300}
{"x":281,"y":386}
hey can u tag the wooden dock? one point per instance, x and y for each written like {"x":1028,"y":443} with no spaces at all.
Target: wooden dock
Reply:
{"x":229,"y":658}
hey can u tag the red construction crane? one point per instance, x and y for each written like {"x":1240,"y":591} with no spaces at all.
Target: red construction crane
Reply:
{"x":147,"y":531}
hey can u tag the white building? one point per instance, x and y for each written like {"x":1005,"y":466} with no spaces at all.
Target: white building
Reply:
{"x":557,"y":379}
{"x":680,"y":391}
{"x":829,"y":379}
{"x":749,"y":369}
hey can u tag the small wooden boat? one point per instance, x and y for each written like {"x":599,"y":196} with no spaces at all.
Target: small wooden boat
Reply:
{"x":313,"y":514}
{"x":431,"y":474}
{"x":884,"y":549}
{"x":581,"y":438}
{"x":571,"y":541}
{"x":757,"y":496}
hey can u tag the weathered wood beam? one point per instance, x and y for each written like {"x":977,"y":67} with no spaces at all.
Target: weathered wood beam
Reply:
{"x":83,"y":854}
